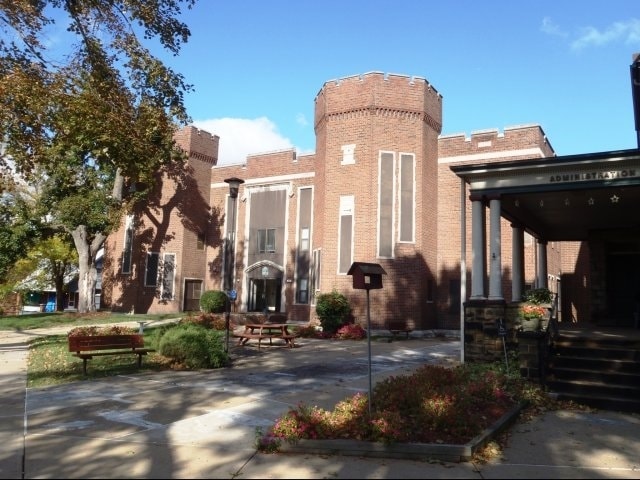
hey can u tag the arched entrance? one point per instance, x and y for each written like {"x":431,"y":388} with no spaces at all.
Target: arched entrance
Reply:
{"x":264,"y":287}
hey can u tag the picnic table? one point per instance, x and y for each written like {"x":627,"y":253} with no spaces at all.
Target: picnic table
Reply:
{"x":262,"y":331}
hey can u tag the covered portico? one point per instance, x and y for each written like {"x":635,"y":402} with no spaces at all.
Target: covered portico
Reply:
{"x":591,"y":199}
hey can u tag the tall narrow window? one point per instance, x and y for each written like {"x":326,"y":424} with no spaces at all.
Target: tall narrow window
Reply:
{"x":407,"y":197}
{"x":386,"y":169}
{"x":303,"y":258}
{"x":151,"y":270}
{"x":200,"y":241}
{"x":168,"y":275}
{"x":128,"y":245}
{"x":314,"y":278}
{"x":345,"y":234}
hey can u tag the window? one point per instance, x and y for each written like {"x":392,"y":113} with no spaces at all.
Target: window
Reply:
{"x":128,"y":245}
{"x":314,"y":280}
{"x":200,"y":241}
{"x":267,"y":240}
{"x":304,"y":239}
{"x":168,"y":275}
{"x":386,"y":167}
{"x":345,"y":234}
{"x":407,"y":200}
{"x":303,"y":290}
{"x":151,"y":270}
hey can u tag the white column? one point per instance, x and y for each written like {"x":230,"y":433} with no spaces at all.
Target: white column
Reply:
{"x":517,"y":262}
{"x":477,"y":249}
{"x":495,"y":256}
{"x":542,"y":264}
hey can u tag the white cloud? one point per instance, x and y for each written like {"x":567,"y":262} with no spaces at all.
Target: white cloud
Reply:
{"x":240,"y":137}
{"x":551,"y":28}
{"x":627,"y":32}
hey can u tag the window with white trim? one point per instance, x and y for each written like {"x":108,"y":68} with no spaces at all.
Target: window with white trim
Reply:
{"x":168,"y":276}
{"x":407,"y":197}
{"x":151,"y":269}
{"x":345,"y":234}
{"x":386,"y":181}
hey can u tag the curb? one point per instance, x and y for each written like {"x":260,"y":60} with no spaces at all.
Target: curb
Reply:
{"x":404,"y":451}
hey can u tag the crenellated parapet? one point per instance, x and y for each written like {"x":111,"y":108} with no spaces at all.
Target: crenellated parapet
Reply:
{"x":198,"y":144}
{"x":524,"y":141}
{"x":379,"y":94}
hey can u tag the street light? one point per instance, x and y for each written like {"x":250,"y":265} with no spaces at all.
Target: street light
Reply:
{"x":234,"y":186}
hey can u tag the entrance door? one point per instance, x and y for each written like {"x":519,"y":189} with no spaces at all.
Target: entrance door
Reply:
{"x":623,"y":288}
{"x":265,"y":293}
{"x":192,"y":293}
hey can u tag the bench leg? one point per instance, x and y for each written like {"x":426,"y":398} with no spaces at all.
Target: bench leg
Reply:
{"x":84,"y":365}
{"x":139,"y":360}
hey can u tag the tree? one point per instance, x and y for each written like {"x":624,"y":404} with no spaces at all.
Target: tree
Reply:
{"x":97,"y":123}
{"x":49,"y":263}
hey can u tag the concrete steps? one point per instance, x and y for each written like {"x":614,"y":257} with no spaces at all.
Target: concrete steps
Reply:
{"x":595,"y":370}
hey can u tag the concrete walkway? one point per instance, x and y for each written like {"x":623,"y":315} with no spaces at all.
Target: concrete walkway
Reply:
{"x":203,"y":424}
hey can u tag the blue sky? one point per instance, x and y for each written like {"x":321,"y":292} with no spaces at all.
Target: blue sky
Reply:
{"x":257,"y":65}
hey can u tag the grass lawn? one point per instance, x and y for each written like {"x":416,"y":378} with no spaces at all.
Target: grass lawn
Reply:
{"x":71,"y":319}
{"x":51,"y":363}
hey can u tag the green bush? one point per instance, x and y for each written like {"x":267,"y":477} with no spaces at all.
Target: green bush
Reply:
{"x":538,"y":296}
{"x":213,"y":301}
{"x":194,"y":346}
{"x":333,"y":310}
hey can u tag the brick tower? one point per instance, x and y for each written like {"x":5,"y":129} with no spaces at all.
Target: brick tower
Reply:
{"x":376,"y":182}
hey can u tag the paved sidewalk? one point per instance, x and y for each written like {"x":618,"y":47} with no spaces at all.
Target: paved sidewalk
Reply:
{"x":203,"y":424}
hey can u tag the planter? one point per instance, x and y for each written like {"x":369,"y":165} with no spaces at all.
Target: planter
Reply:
{"x":530,"y":324}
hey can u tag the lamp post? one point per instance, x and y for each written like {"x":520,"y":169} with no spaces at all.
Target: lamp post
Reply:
{"x":234,"y":186}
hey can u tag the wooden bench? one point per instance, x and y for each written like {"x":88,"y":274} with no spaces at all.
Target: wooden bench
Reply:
{"x":88,"y":346}
{"x":398,"y":327}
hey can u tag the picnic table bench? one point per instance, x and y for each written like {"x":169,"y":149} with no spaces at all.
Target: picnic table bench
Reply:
{"x":88,"y":346}
{"x":262,"y":331}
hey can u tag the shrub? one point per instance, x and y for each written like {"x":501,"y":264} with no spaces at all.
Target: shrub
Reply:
{"x":434,"y":404}
{"x":308,"y":331}
{"x":213,"y":301}
{"x":333,"y":310}
{"x":214,"y":321}
{"x":538,"y":296}
{"x":194,"y":346}
{"x":351,"y":331}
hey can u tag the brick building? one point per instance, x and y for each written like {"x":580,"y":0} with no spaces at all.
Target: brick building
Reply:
{"x":381,"y":187}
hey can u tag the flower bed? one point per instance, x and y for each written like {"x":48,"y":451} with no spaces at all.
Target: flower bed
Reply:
{"x":433,"y":405}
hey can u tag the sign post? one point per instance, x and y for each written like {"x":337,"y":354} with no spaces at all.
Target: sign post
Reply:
{"x":502,"y":332}
{"x":367,"y":276}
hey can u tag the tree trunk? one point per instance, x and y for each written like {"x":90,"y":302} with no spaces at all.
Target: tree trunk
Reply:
{"x":88,"y":274}
{"x":59,"y":282}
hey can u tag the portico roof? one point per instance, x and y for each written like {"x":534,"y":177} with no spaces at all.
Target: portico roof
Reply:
{"x":562,"y":198}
